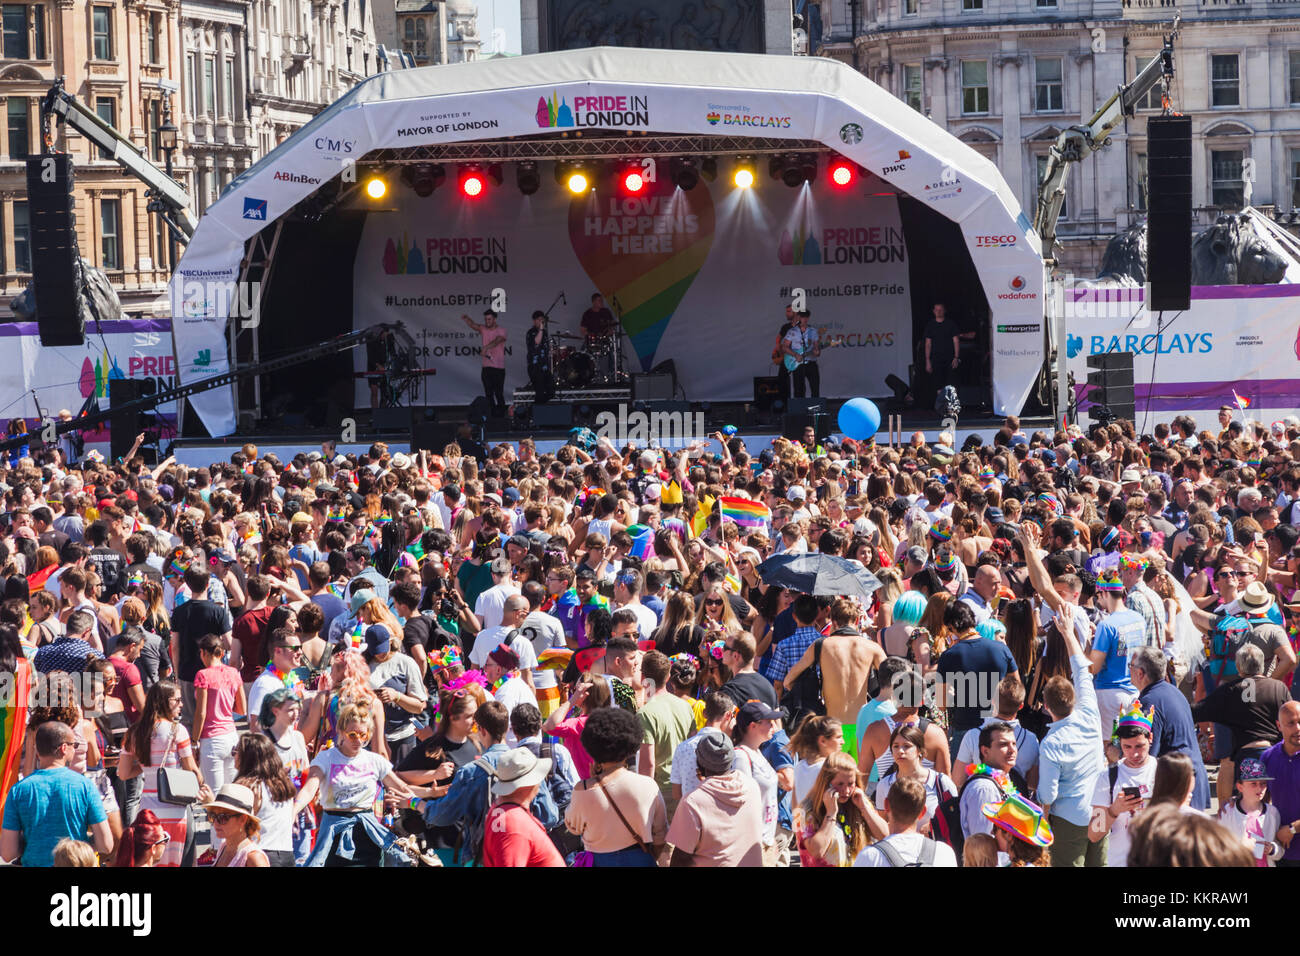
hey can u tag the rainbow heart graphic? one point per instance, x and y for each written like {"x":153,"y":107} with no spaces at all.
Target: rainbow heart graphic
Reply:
{"x":643,"y":252}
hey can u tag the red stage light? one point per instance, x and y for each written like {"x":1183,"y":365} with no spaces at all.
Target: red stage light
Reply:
{"x":472,"y":185}
{"x":842,"y":173}
{"x":633,"y":182}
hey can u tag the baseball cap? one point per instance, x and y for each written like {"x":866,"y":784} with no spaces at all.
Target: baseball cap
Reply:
{"x":378,"y":639}
{"x":756,"y":710}
{"x":1130,"y":475}
{"x":510,"y":495}
{"x":518,"y":540}
{"x":360,"y":599}
{"x":1252,"y":769}
{"x":796,"y":493}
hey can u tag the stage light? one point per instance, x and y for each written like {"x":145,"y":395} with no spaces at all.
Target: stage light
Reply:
{"x":743,"y":177}
{"x":527,"y":178}
{"x":633,"y":181}
{"x":808,"y":167}
{"x":577,"y":182}
{"x":472,"y":184}
{"x":423,"y":178}
{"x":376,"y":188}
{"x":842,"y":173}
{"x":685,"y":173}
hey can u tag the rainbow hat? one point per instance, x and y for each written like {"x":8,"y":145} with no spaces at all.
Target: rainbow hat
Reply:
{"x":945,"y":562}
{"x":1133,"y":717}
{"x":1020,"y":817}
{"x":940,"y":534}
{"x":1052,"y":502}
{"x":1110,"y":582}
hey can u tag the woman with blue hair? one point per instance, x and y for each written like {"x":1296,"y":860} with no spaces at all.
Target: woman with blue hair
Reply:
{"x":896,"y":639}
{"x":993,"y":629}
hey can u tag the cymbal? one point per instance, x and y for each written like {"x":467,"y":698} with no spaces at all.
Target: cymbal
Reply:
{"x":565,"y":335}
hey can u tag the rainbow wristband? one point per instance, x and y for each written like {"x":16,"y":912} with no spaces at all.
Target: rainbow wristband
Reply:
{"x":412,"y":804}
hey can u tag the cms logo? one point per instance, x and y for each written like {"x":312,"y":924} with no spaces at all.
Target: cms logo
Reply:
{"x":327,"y":145}
{"x":995,"y":242}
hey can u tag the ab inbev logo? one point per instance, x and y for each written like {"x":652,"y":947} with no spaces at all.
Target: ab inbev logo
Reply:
{"x":1019,"y":289}
{"x":599,"y":111}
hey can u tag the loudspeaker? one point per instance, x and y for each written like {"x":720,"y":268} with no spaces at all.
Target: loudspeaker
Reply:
{"x":653,"y":386}
{"x":806,"y":406}
{"x":1169,"y":212}
{"x":1111,"y":378}
{"x":553,"y":415}
{"x":767,"y":389}
{"x":479,"y":410}
{"x":124,"y":425}
{"x":56,"y":263}
{"x":793,"y":424}
{"x":391,"y":420}
{"x":433,"y":437}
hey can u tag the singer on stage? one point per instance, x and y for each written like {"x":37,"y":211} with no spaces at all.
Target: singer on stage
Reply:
{"x":494,"y":360}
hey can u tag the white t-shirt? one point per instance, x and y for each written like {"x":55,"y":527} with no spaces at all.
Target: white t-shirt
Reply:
{"x":1103,"y":796}
{"x":277,"y":823}
{"x":646,"y":621}
{"x":543,"y":632}
{"x":934,"y":784}
{"x":755,"y":764}
{"x":1082,"y":626}
{"x":684,"y":769}
{"x":510,"y":695}
{"x":488,"y":639}
{"x":264,"y":684}
{"x":805,"y":775}
{"x":492,"y":602}
{"x":968,"y":751}
{"x":351,"y":783}
{"x":908,"y":846}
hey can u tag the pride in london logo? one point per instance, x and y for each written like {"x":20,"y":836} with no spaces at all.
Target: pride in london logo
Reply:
{"x":799,"y":248}
{"x":553,"y":112}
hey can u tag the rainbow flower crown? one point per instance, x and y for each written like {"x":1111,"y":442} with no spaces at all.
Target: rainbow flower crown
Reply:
{"x":1127,"y":563}
{"x":1133,"y":717}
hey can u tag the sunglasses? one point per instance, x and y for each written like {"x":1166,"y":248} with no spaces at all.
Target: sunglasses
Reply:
{"x":713,"y":603}
{"x":220,"y":818}
{"x":357,"y":734}
{"x":166,"y":838}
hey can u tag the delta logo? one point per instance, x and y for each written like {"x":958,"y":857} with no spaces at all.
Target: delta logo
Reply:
{"x":1019,"y":289}
{"x":948,"y":186}
{"x":602,"y":111}
{"x":749,"y":119}
{"x":281,"y":176}
{"x":995,"y":242}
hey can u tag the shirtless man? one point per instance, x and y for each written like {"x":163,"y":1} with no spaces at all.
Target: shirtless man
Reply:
{"x":970,"y":542}
{"x":848,"y":659}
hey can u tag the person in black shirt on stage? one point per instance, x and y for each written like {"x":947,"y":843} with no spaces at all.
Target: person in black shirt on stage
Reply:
{"x":597,"y":322}
{"x":941,"y":349}
{"x":538,"y":341}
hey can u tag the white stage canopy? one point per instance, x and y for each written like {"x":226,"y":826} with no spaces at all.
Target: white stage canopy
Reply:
{"x":642,"y":90}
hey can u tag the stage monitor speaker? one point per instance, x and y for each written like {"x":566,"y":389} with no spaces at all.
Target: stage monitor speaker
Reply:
{"x":1111,"y":377}
{"x":667,"y":367}
{"x":553,"y":415}
{"x":652,"y":387}
{"x":806,"y":406}
{"x":56,"y":262}
{"x":1169,"y":212}
{"x":793,"y":424}
{"x":391,"y":420}
{"x":479,"y":410}
{"x":124,"y":425}
{"x":767,"y":389}
{"x":433,"y":437}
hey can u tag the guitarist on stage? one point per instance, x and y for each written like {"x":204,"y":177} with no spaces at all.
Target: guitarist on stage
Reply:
{"x":802,"y":350}
{"x":778,"y":354}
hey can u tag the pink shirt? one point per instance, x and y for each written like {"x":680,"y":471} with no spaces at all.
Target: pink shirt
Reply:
{"x":222,"y":682}
{"x":494,"y":357}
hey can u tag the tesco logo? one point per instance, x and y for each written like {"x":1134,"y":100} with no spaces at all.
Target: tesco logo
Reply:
{"x":995,"y":242}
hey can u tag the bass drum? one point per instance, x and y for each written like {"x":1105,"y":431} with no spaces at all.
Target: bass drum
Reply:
{"x":576,"y":370}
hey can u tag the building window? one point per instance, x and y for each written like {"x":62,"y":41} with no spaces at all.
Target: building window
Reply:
{"x":1140,"y":183}
{"x":1294,"y":76}
{"x":22,"y":239}
{"x":1225,"y":76}
{"x":912,"y":88}
{"x":1045,"y":3}
{"x":191,"y":83}
{"x":1048,"y":95}
{"x":153,"y":117}
{"x":911,"y":7}
{"x":1041,"y":167}
{"x":1226,"y":187}
{"x":153,"y":36}
{"x":19,"y":122}
{"x":974,"y":86}
{"x":101,"y":20}
{"x":1293,"y":173}
{"x":967,"y":5}
{"x":209,"y":86}
{"x":415,"y":37}
{"x":24,"y":31}
{"x":228,"y":86}
{"x":106,"y":109}
{"x":1152,"y":100}
{"x":110,"y":249}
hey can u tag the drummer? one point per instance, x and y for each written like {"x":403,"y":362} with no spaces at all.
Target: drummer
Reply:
{"x":597,"y":322}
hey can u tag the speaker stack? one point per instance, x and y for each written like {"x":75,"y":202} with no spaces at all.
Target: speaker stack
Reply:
{"x":1111,"y":378}
{"x":1169,"y":212}
{"x":56,"y":262}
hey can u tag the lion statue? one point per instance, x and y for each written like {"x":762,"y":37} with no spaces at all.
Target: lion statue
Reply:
{"x":99,"y":301}
{"x":1230,"y":252}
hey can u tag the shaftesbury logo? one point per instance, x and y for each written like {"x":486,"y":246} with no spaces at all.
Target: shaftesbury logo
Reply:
{"x":254,"y":208}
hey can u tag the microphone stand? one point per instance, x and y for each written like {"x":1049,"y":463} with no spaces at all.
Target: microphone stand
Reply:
{"x":620,"y":368}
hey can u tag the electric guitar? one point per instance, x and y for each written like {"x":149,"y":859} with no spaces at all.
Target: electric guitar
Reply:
{"x":793,"y":362}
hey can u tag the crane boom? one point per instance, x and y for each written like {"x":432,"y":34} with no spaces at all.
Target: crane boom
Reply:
{"x":171,"y":195}
{"x":1074,"y":143}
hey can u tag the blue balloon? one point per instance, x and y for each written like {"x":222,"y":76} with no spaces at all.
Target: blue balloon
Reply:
{"x":859,"y":419}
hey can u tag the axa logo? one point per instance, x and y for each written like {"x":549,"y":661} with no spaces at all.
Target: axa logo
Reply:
{"x":254,"y":208}
{"x":995,"y":242}
{"x":326,"y":144}
{"x":1073,"y":345}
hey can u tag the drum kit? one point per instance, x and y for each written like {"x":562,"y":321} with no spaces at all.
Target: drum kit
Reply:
{"x":595,"y":360}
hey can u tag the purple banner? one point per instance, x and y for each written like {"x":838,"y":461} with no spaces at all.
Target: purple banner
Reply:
{"x":16,"y":329}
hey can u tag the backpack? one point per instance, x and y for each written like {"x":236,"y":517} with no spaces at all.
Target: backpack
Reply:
{"x":475,"y":819}
{"x":552,"y":801}
{"x":1230,"y":634}
{"x":805,"y":695}
{"x":928,"y":849}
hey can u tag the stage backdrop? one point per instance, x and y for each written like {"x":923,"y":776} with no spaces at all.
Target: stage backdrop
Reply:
{"x":1234,"y":337}
{"x":701,"y":277}
{"x":65,"y":377}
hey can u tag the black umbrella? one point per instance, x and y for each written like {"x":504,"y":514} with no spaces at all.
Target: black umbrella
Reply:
{"x":819,"y":574}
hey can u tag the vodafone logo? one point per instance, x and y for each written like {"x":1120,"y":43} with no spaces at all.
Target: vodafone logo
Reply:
{"x":1018,"y":286}
{"x":995,"y":242}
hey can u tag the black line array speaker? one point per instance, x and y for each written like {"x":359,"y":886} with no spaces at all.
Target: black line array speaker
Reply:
{"x":56,"y":265}
{"x":124,"y":425}
{"x":1111,"y":377}
{"x":1169,"y":212}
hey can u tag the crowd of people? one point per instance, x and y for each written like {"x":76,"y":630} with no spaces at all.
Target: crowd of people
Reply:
{"x":578,"y":658}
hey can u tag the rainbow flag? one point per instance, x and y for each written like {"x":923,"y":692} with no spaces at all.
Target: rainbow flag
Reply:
{"x":643,"y":541}
{"x":13,"y":727}
{"x":675,"y":524}
{"x":554,"y":658}
{"x":1242,"y":402}
{"x":743,"y":511}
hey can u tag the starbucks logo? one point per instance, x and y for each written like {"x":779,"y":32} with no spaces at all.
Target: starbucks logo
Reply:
{"x":850,"y":133}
